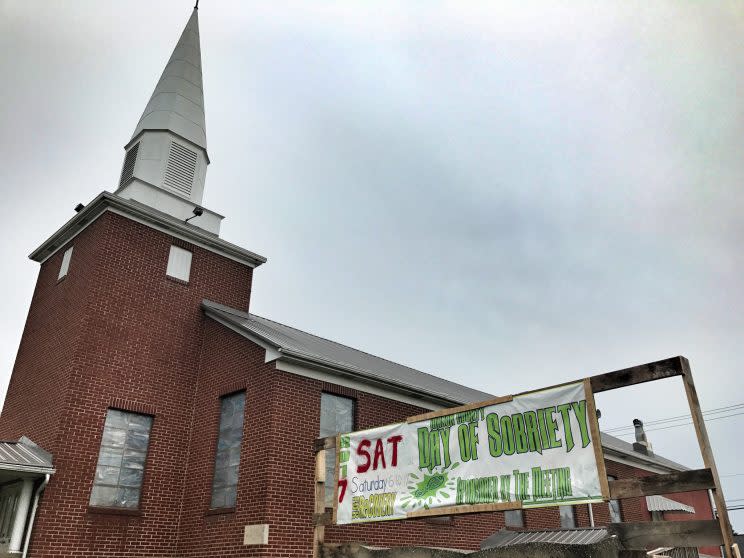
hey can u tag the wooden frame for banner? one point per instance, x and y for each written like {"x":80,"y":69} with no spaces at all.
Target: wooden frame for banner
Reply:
{"x":635,"y":536}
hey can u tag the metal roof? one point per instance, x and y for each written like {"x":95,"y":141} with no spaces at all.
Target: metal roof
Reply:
{"x":564,"y":536}
{"x":305,"y":346}
{"x":24,"y":455}
{"x":177,"y":104}
{"x":661,"y":503}
{"x":621,"y":446}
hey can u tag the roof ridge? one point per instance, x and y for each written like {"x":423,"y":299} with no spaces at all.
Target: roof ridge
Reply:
{"x":361,"y":351}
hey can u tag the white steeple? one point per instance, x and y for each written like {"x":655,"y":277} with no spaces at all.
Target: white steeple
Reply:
{"x":177,"y":104}
{"x":166,"y":159}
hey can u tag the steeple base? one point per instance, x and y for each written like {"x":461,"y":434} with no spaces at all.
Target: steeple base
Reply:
{"x":174,"y":205}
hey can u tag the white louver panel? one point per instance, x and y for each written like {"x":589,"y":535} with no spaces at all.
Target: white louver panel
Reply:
{"x":181,"y":168}
{"x":179,"y":263}
{"x":127,"y":170}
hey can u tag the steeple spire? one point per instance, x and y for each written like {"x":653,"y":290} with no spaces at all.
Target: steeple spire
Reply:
{"x":166,"y":160}
{"x":177,"y":104}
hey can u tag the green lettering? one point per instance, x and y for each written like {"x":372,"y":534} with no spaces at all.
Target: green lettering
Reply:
{"x":552,"y":427}
{"x":507,"y":435}
{"x":473,"y":431}
{"x":567,"y":435}
{"x":463,"y":439}
{"x":533,"y":431}
{"x":520,"y":435}
{"x":494,"y":435}
{"x":445,"y":435}
{"x":579,"y":409}
{"x":543,"y":429}
{"x":423,"y":447}
{"x":436,"y":456}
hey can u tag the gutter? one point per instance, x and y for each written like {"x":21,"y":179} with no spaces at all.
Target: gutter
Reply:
{"x":358,"y":374}
{"x":28,"y":469}
{"x":641,"y":459}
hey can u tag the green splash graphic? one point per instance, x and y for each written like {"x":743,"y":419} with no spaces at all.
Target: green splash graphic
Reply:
{"x":430,"y":490}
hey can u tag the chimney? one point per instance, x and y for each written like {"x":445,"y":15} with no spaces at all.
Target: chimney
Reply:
{"x":641,"y":445}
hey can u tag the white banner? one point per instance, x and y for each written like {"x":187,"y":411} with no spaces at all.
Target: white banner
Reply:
{"x":536,"y":449}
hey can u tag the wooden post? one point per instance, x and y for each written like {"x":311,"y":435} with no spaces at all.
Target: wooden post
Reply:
{"x":591,"y":411}
{"x":708,"y":460}
{"x":319,"y":528}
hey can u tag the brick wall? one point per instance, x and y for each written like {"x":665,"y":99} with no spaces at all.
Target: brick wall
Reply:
{"x":282,"y":421}
{"x":115,"y":332}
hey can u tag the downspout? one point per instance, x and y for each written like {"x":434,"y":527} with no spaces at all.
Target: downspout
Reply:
{"x":591,"y":516}
{"x":39,"y":490}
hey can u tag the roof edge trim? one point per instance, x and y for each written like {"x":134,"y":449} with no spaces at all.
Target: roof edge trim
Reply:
{"x":149,"y":217}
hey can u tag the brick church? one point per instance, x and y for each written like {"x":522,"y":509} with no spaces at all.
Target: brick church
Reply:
{"x":147,"y":415}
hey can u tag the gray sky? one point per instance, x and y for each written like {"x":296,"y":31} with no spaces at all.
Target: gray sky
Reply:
{"x":508,"y":195}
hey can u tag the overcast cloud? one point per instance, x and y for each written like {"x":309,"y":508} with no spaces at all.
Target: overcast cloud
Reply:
{"x":506,"y":194}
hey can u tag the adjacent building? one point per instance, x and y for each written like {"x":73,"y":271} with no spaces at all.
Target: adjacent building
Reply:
{"x":151,"y":414}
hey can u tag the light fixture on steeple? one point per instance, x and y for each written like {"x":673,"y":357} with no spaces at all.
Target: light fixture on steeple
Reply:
{"x":198,"y":212}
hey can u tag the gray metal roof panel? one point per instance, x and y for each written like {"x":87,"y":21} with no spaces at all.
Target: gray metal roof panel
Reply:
{"x":662,"y":503}
{"x":294,"y":341}
{"x":564,"y":536}
{"x":613,"y":443}
{"x":24,"y":454}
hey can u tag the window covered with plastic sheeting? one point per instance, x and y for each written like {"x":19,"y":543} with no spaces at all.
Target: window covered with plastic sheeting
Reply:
{"x":227,"y":459}
{"x":514,"y":518}
{"x":614,"y":505}
{"x":568,"y":519}
{"x":121,"y":460}
{"x":336,"y":417}
{"x":8,"y":504}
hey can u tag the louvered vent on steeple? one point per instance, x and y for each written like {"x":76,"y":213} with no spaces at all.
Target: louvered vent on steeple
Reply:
{"x":127,"y":170}
{"x":180,"y":170}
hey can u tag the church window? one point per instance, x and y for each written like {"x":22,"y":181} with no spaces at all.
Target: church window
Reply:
{"x":568,"y":519}
{"x":514,"y":518}
{"x":65,"y":266}
{"x":8,"y":503}
{"x":121,"y":460}
{"x":336,"y":417}
{"x":615,"y":514}
{"x":227,"y":459}
{"x":179,"y":263}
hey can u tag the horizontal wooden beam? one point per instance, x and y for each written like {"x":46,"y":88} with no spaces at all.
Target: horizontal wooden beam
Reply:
{"x":463,"y":408}
{"x":321,"y":444}
{"x":649,"y":372}
{"x":470,"y":508}
{"x":684,"y":481}
{"x":650,"y":534}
